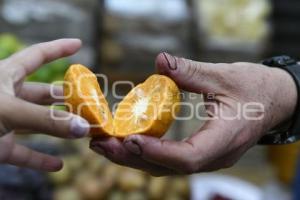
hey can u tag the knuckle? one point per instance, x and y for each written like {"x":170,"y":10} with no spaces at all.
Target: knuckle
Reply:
{"x":188,"y":66}
{"x":193,"y":69}
{"x":46,"y":95}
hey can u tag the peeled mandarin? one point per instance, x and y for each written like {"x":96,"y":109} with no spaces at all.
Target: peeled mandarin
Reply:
{"x":147,"y":109}
{"x":83,"y":96}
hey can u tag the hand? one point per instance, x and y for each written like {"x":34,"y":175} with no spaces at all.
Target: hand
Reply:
{"x":221,"y":141}
{"x":19,"y":109}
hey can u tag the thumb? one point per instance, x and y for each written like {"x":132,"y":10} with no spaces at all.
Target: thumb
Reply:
{"x":190,"y":75}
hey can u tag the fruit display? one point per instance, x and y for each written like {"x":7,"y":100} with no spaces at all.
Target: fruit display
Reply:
{"x":233,"y":21}
{"x":88,"y":176}
{"x":148,"y":109}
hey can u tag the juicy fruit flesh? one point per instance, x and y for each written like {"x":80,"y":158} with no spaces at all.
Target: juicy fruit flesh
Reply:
{"x":84,"y":95}
{"x":147,"y":109}
{"x":140,"y":107}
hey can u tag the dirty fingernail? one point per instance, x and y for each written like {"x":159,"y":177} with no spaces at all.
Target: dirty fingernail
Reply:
{"x":172,"y":63}
{"x":133,"y":147}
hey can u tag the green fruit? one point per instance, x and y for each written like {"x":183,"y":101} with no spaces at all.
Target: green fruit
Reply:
{"x":9,"y":43}
{"x":4,"y":54}
{"x":43,"y":75}
{"x":59,"y":66}
{"x":63,"y":108}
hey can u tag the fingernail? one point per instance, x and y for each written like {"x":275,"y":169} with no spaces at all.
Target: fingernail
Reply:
{"x":172,"y":63}
{"x":133,"y":146}
{"x":79,"y":127}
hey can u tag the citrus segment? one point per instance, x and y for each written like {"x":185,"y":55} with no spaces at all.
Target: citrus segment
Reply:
{"x":148,"y":109}
{"x":82,"y":92}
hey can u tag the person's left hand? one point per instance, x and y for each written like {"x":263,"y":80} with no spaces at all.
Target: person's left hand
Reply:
{"x":21,"y":106}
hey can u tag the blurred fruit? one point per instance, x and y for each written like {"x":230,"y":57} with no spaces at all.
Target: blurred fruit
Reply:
{"x":111,"y":173}
{"x":50,"y":72}
{"x":65,"y":193}
{"x":54,"y":71}
{"x":58,"y":66}
{"x":96,"y":164}
{"x":179,"y":186}
{"x":116,"y":195}
{"x":91,"y":187}
{"x":59,"y":108}
{"x":171,"y":196}
{"x":130,"y":180}
{"x":148,"y":109}
{"x":136,"y":195}
{"x":157,"y":188}
{"x":108,"y":181}
{"x":74,"y":164}
{"x":9,"y":44}
{"x":284,"y":159}
{"x":63,"y":176}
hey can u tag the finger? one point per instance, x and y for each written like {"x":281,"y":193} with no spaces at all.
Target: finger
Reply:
{"x":41,"y":93}
{"x":114,"y":150}
{"x":19,"y":114}
{"x":166,"y":153}
{"x":190,"y":75}
{"x":34,"y":56}
{"x":186,"y":156}
{"x":24,"y":157}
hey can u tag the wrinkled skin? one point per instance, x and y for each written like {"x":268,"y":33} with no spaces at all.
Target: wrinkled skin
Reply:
{"x":19,"y":109}
{"x":220,"y":142}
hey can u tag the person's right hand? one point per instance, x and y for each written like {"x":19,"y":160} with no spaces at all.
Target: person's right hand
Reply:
{"x":270,"y":93}
{"x":20,"y":109}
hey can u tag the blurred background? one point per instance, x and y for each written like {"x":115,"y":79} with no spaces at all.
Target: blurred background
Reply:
{"x":121,"y":39}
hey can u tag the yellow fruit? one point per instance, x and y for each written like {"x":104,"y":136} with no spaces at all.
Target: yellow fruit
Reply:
{"x":148,"y":109}
{"x":66,"y":193}
{"x":61,"y":177}
{"x":91,"y":187}
{"x":131,"y":180}
{"x":84,"y":97}
{"x":157,"y":187}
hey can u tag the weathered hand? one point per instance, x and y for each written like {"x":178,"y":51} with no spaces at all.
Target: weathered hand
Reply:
{"x":266,"y":97}
{"x":19,"y":109}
